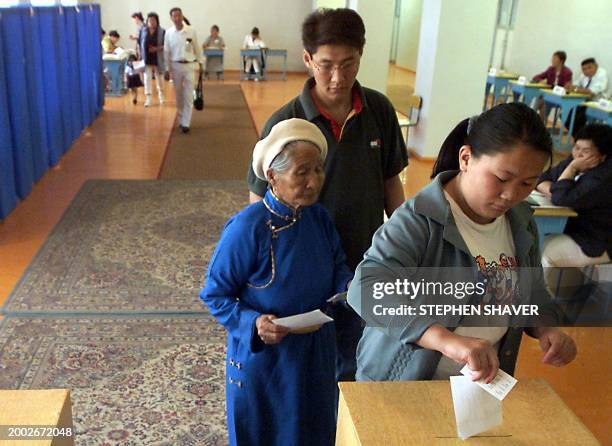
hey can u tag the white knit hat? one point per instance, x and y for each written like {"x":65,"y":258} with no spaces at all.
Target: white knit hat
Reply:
{"x":282,"y":134}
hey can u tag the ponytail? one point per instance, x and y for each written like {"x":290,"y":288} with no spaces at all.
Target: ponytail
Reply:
{"x":448,"y":157}
{"x":499,"y":129}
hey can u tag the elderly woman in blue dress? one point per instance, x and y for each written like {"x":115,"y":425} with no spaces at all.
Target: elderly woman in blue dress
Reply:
{"x":276,"y":258}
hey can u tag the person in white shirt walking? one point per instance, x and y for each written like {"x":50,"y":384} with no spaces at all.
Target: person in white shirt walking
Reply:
{"x":181,"y":51}
{"x":253,"y":42}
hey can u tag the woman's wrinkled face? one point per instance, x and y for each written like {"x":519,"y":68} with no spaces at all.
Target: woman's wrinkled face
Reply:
{"x":493,"y":184}
{"x":301,"y":182}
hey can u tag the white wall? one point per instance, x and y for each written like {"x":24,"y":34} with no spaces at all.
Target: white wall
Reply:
{"x":378,"y":19}
{"x":409,"y":30}
{"x":279,"y":22}
{"x":580,"y":28}
{"x":330,"y":4}
{"x":455,"y":47}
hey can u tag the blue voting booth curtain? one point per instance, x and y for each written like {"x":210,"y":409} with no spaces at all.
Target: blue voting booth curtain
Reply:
{"x":8,"y":194}
{"x":35,"y":94}
{"x":16,"y":86}
{"x":50,"y":90}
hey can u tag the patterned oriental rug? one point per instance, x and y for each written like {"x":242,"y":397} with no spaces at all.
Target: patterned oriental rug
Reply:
{"x":129,"y":247}
{"x":133,"y":380}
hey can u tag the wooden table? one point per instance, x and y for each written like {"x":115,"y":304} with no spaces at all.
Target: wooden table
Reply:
{"x":421,"y":413}
{"x":594,"y":112}
{"x":551,"y":220}
{"x":43,"y":408}
{"x":500,"y":84}
{"x":567,"y":104}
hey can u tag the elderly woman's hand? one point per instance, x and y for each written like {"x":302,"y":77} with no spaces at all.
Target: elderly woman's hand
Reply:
{"x":268,"y":331}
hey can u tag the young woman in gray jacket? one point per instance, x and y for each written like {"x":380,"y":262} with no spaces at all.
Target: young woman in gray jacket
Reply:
{"x":471,"y":217}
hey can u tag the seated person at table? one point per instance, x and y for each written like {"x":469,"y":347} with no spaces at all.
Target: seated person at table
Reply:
{"x":280,"y":257}
{"x":556,"y":74}
{"x":214,"y":64}
{"x":109,"y":43}
{"x":593,"y":81}
{"x":253,"y":42}
{"x":471,"y":216}
{"x":582,"y":182}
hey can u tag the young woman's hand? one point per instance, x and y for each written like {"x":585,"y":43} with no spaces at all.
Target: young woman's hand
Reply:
{"x":559,"y":349}
{"x":478,"y":354}
{"x":268,"y":331}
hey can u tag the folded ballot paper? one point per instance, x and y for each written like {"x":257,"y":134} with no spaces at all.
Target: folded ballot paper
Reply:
{"x":478,"y":405}
{"x":303,"y":320}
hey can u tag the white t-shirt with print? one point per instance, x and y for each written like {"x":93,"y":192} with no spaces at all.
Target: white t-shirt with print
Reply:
{"x":492,"y":246}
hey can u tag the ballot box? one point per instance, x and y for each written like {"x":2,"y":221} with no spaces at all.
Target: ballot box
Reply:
{"x":36,"y":418}
{"x":421,"y":413}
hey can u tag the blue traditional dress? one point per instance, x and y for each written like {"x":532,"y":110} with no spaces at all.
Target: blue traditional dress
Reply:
{"x":273,"y":259}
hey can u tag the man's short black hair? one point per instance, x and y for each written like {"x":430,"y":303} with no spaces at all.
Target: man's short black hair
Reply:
{"x":600,"y":134}
{"x":561,"y":55}
{"x":114,"y":33}
{"x":139,"y":15}
{"x":255,"y":31}
{"x":176,"y":8}
{"x":588,"y":61}
{"x":340,"y":26}
{"x":215,"y":27}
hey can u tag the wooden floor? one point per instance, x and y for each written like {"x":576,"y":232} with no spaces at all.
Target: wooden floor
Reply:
{"x":129,"y":141}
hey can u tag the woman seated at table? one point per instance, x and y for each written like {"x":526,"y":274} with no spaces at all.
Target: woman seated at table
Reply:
{"x":556,"y":74}
{"x":582,"y":182}
{"x":279,"y":257}
{"x":214,"y":64}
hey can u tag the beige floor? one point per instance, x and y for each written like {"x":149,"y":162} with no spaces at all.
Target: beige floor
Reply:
{"x":129,"y":141}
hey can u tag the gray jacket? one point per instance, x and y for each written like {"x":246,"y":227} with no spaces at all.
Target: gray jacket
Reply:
{"x":142,"y":41}
{"x":423,"y":233}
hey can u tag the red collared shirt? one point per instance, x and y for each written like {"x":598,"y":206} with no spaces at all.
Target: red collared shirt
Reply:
{"x":337,"y":127}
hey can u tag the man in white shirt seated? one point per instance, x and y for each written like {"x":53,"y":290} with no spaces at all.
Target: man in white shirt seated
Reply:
{"x":181,"y":51}
{"x":592,"y":81}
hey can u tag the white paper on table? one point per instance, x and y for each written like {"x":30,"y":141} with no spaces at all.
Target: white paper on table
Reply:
{"x":475,"y":410}
{"x":303,"y":320}
{"x":501,"y":385}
